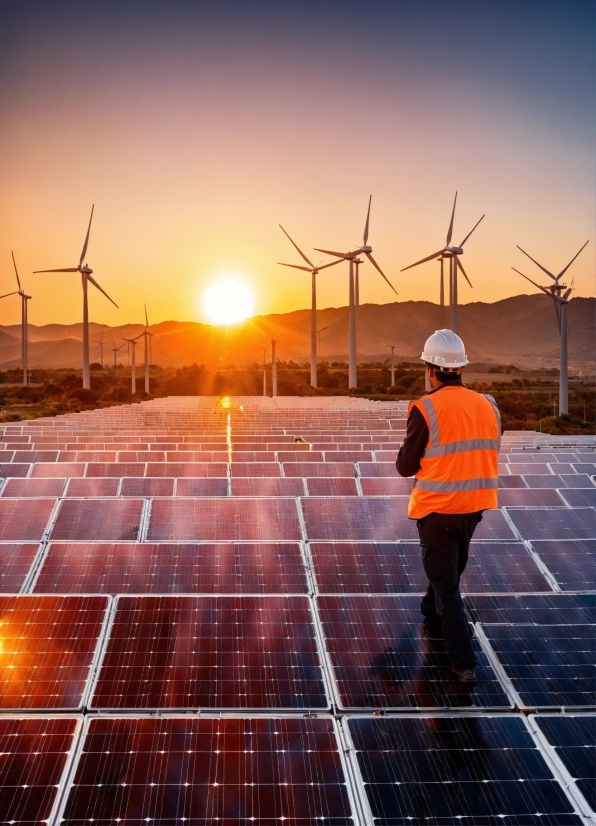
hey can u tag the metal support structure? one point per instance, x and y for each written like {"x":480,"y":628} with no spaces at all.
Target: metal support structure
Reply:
{"x":133,"y":374}
{"x":352,"y":379}
{"x":313,"y":332}
{"x":453,"y":296}
{"x":24,"y":340}
{"x":86,"y":371}
{"x":273,"y":370}
{"x":392,"y":348}
{"x":442,"y":292}
{"x":146,"y":337}
{"x":264,"y":382}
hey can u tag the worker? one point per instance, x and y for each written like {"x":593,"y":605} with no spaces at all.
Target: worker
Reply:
{"x":451,"y":446}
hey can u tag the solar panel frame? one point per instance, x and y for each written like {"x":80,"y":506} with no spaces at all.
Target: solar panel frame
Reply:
{"x":389,"y":803}
{"x":563,"y":559}
{"x":55,"y":780}
{"x":303,"y":755}
{"x":108,"y":652}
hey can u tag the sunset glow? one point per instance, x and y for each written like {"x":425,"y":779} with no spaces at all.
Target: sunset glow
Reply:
{"x":228,"y":302}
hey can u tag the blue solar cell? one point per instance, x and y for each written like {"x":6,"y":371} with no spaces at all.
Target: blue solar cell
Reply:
{"x":380,"y":659}
{"x":576,"y":497}
{"x":448,"y":770}
{"x":571,"y":562}
{"x":541,"y":523}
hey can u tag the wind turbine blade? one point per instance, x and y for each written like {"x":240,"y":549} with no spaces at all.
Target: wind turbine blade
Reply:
{"x":423,"y":260}
{"x":65,"y":269}
{"x":16,"y":292}
{"x":450,"y":230}
{"x":17,"y":272}
{"x":544,"y":290}
{"x":87,"y":237}
{"x":463,"y":272}
{"x":297,"y":247}
{"x":332,"y":264}
{"x":470,"y":232}
{"x":554,"y":278}
{"x":566,"y":294}
{"x":376,"y":266}
{"x":146,"y":318}
{"x":365,"y":236}
{"x":329,"y":252}
{"x":94,"y":282}
{"x":570,"y":263}
{"x":294,"y":266}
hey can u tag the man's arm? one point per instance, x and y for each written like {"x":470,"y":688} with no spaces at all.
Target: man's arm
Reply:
{"x":412,"y":450}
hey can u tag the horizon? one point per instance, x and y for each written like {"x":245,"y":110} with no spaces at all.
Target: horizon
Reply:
{"x":196,"y":129}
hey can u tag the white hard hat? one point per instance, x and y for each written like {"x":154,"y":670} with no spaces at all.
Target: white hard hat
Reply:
{"x":444,"y":349}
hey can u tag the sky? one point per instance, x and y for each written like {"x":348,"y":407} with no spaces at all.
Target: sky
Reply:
{"x":196,"y":128}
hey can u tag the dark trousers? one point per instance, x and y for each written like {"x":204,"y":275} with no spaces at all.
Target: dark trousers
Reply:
{"x":445,"y":541}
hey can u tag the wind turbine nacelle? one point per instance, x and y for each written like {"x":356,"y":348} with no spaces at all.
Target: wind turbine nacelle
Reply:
{"x":456,"y":250}
{"x":366,"y":249}
{"x":85,"y":269}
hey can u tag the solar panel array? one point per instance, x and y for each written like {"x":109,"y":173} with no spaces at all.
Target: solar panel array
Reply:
{"x":210,"y":614}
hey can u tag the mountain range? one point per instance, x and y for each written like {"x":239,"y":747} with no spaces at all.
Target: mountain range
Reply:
{"x":520,"y":330}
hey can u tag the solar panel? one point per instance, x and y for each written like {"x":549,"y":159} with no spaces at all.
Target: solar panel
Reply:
{"x":14,"y":470}
{"x":262,"y":568}
{"x":57,"y":470}
{"x":554,"y":524}
{"x":573,"y":737}
{"x":135,"y":486}
{"x":319,"y":469}
{"x":187,"y":486}
{"x":577,"y":480}
{"x":196,"y":469}
{"x":89,"y":519}
{"x":47,"y":650}
{"x":511,"y":482}
{"x":379,"y":659}
{"x":257,"y":520}
{"x":213,"y":652}
{"x":25,"y":488}
{"x":522,"y":497}
{"x":571,"y":562}
{"x":580,"y":496}
{"x":34,"y":753}
{"x":386,"y":486}
{"x":98,"y":486}
{"x":448,"y":770}
{"x":15,"y":561}
{"x":24,"y":519}
{"x":493,"y":526}
{"x":545,"y":645}
{"x":253,"y":469}
{"x":200,"y":771}
{"x":263,"y":486}
{"x":333,"y":486}
{"x":377,"y":469}
{"x":358,"y":518}
{"x":118,"y":469}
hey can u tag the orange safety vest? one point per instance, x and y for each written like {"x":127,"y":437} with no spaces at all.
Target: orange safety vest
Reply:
{"x":459,"y":468}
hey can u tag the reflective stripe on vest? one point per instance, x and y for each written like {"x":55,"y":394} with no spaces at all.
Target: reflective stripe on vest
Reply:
{"x":456,"y":487}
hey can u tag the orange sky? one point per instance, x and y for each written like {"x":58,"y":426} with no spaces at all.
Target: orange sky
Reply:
{"x":196,"y":133}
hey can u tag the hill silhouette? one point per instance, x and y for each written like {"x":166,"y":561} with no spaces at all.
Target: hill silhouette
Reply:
{"x":520,"y":330}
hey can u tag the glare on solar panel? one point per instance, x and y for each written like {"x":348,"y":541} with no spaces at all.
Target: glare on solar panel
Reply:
{"x":447,"y":770}
{"x":211,"y":652}
{"x":35,"y":754}
{"x":358,"y":518}
{"x":201,"y":771}
{"x":228,"y":568}
{"x":380,"y":660}
{"x":48,"y":647}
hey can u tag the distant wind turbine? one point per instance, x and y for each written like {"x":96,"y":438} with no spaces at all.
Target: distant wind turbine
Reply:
{"x":351,"y":256}
{"x":24,"y":324}
{"x":116,"y":350}
{"x":85,"y":278}
{"x":561,"y":303}
{"x":99,"y":347}
{"x":453,"y":253}
{"x":133,"y":375}
{"x":314,"y":271}
{"x":147,"y":336}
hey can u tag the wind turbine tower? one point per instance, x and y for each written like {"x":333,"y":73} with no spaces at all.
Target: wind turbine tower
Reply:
{"x":314,"y":271}
{"x":86,"y":277}
{"x":453,"y":253}
{"x":561,"y":302}
{"x":273,"y":370}
{"x":24,"y":324}
{"x":116,"y":350}
{"x":351,"y":257}
{"x":133,"y":374}
{"x":147,"y":336}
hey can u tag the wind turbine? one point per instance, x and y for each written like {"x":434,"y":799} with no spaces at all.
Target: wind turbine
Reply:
{"x":24,"y":339}
{"x":116,"y":350}
{"x":351,"y":256}
{"x":314,"y":271}
{"x":133,"y":375}
{"x":99,"y":347}
{"x":561,"y":303}
{"x":453,"y":253}
{"x":86,"y":276}
{"x":147,"y":336}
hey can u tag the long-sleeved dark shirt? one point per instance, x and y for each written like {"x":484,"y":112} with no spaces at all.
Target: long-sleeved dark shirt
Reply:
{"x":412,"y":450}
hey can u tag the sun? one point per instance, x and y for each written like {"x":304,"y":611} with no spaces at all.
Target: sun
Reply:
{"x":228,"y":302}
